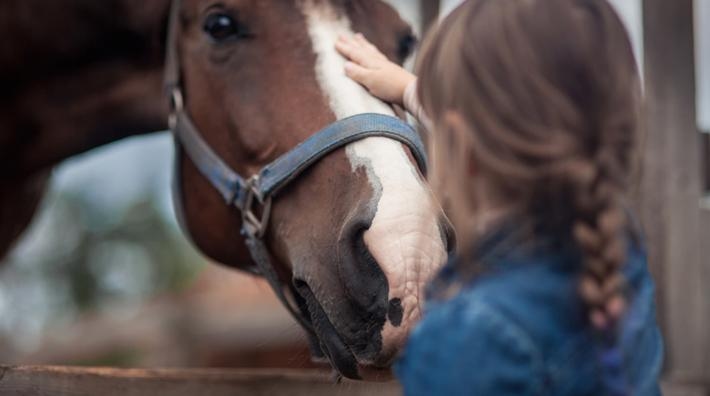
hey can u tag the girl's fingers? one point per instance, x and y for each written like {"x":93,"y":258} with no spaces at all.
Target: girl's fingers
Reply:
{"x":346,"y":40}
{"x":359,"y":50}
{"x":356,"y":72}
{"x":351,"y":52}
{"x":350,"y":41}
{"x":362,"y":40}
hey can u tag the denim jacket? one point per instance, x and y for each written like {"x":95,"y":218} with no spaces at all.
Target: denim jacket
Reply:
{"x":520,"y":329}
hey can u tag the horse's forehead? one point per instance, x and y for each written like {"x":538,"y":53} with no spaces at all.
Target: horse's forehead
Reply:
{"x":277,"y":16}
{"x":340,"y":7}
{"x":261,"y":5}
{"x":325,"y":22}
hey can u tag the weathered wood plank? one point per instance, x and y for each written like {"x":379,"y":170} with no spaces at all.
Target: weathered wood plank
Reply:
{"x":671,"y":188}
{"x":706,"y":160}
{"x":430,"y":13}
{"x":74,"y":381}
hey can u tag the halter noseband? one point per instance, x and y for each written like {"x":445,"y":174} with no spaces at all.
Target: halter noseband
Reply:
{"x":260,"y":189}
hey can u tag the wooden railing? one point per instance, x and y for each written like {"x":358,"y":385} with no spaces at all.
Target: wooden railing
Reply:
{"x":74,"y":381}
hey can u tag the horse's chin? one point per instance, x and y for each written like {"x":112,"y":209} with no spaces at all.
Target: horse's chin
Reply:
{"x":344,"y":361}
{"x":340,"y":355}
{"x":375,"y":374}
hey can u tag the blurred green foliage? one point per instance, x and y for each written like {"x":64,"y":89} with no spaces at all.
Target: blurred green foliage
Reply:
{"x":77,"y":257}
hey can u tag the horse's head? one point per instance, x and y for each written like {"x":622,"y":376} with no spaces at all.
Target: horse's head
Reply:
{"x":358,"y":234}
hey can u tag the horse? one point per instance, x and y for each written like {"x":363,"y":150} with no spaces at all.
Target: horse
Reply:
{"x":353,"y":239}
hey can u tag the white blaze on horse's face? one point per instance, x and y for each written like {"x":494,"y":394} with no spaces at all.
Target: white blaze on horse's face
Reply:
{"x":404,"y":236}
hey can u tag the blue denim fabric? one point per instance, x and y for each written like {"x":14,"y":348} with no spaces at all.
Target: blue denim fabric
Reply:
{"x":520,"y":329}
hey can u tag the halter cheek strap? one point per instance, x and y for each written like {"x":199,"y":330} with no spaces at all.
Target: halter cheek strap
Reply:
{"x":253,"y":196}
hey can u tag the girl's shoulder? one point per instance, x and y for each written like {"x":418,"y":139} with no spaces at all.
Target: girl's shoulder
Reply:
{"x":460,"y":334}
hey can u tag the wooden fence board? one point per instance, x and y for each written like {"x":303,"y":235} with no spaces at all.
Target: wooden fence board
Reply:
{"x":671,"y":189}
{"x":75,"y":381}
{"x":430,"y":13}
{"x":706,"y":161}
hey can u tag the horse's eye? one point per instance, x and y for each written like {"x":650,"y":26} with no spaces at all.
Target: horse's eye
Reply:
{"x":406,"y":46}
{"x":222,"y":27}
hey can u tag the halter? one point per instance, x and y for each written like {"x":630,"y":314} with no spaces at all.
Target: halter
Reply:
{"x":253,"y":196}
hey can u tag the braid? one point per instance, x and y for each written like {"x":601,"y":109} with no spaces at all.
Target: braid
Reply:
{"x":599,"y":234}
{"x":585,"y":196}
{"x":598,"y":227}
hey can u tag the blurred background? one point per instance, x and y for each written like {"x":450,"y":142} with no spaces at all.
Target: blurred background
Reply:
{"x":104,"y":276}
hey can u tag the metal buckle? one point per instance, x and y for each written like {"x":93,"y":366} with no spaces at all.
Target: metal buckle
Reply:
{"x":255,"y":226}
{"x":176,"y":106}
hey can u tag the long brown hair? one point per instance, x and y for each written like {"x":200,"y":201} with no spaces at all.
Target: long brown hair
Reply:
{"x":539,"y":99}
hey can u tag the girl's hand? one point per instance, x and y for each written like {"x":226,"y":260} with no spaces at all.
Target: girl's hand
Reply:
{"x":369,"y":67}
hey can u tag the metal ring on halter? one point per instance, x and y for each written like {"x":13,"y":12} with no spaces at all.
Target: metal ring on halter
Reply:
{"x":253,"y":225}
{"x":176,"y":106}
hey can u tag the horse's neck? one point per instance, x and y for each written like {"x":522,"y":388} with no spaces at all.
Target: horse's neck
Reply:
{"x":76,"y":74}
{"x":41,"y":35}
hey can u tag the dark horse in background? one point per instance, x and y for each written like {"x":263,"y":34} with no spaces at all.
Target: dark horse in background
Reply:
{"x":359,"y":230}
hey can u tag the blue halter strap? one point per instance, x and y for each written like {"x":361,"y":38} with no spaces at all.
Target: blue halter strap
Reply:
{"x":260,"y":188}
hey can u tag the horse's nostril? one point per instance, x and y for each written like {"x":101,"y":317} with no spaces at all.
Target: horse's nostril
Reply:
{"x":300,"y":286}
{"x":360,"y":273}
{"x":395,"y":312}
{"x":359,"y":247}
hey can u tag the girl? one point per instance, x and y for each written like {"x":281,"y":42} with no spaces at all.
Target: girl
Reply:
{"x":533,"y":108}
